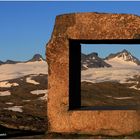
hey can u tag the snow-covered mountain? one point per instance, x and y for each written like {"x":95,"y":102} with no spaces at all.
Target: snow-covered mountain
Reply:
{"x":23,"y":93}
{"x":119,"y":59}
{"x":125,"y":68}
{"x":11,"y":62}
{"x":36,"y":57}
{"x":37,"y":65}
{"x":122,"y":58}
{"x":92,"y":60}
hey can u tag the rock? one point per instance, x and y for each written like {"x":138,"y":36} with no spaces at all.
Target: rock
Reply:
{"x":36,"y":57}
{"x":1,"y":62}
{"x":92,"y":60}
{"x":86,"y":26}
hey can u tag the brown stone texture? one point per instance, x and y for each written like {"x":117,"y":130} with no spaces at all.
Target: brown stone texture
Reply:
{"x":86,"y":26}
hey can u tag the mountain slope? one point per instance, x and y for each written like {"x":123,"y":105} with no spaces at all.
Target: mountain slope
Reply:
{"x":1,"y":62}
{"x":36,"y":57}
{"x":15,"y":69}
{"x":23,"y":94}
{"x":123,"y":57}
{"x":92,"y":60}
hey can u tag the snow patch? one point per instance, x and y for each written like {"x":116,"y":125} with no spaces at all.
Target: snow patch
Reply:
{"x":85,"y":66}
{"x":40,"y":59}
{"x":26,"y":100}
{"x":119,"y":62}
{"x":29,"y":80}
{"x":5,"y":93}
{"x":123,"y":98}
{"x":15,"y":108}
{"x":38,"y":92}
{"x":119,"y":98}
{"x":7,"y":84}
{"x":13,"y":71}
{"x":45,"y":97}
{"x":9,"y":103}
{"x":134,"y":87}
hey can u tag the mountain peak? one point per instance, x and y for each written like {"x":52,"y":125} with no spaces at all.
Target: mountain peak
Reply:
{"x":93,"y":54}
{"x":92,"y":60}
{"x":124,"y":56}
{"x":37,"y":57}
{"x":124,"y":50}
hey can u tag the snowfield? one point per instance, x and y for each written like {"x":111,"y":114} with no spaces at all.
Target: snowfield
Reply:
{"x":123,"y":68}
{"x":121,"y":71}
{"x":119,"y":62}
{"x":15,"y":108}
{"x":97,"y":75}
{"x":5,"y":93}
{"x":29,"y":80}
{"x":7,"y":84}
{"x":12,"y":71}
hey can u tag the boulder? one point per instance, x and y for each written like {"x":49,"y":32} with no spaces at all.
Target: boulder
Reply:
{"x":86,"y":26}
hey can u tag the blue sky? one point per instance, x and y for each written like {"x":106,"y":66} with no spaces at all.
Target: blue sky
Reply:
{"x":25,"y":27}
{"x":104,"y":50}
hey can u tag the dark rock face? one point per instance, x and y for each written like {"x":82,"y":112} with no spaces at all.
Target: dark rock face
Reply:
{"x":1,"y":62}
{"x":36,"y":57}
{"x":11,"y":62}
{"x":92,"y":61}
{"x":124,"y":55}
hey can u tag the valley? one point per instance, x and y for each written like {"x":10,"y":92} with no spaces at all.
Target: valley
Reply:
{"x":117,"y":85}
{"x":23,"y":97}
{"x":112,"y":82}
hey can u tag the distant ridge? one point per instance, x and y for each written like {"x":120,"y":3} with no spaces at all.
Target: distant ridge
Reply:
{"x":11,"y":62}
{"x":1,"y":62}
{"x":125,"y":56}
{"x":36,"y":57}
{"x":119,"y":59}
{"x":92,"y":60}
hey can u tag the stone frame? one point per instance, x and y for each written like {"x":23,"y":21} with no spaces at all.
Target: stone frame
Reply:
{"x":88,"y":26}
{"x":75,"y":73}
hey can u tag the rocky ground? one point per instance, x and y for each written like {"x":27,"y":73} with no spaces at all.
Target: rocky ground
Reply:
{"x":24,"y":110}
{"x":111,"y":93}
{"x":78,"y":136}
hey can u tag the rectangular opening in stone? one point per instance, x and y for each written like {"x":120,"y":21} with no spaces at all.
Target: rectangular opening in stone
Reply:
{"x":106,"y":76}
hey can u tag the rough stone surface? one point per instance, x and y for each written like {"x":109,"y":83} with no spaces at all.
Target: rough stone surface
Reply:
{"x":86,"y":26}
